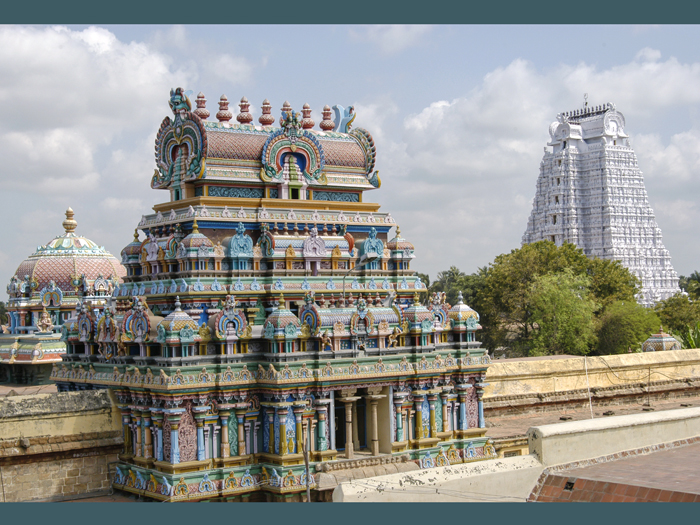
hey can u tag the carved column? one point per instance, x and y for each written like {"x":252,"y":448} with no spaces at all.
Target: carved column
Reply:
{"x":148,"y":448}
{"x":432,"y":399}
{"x":271,"y":441}
{"x":126,"y":425}
{"x":207,"y":431}
{"x":463,"y":423}
{"x":157,"y":417}
{"x":240,"y":417}
{"x":349,"y":403}
{"x":480,"y":401}
{"x":225,"y":447}
{"x":215,"y":451}
{"x":174,"y":419}
{"x":398,"y":402}
{"x":445,"y":416}
{"x":201,"y":443}
{"x":418,"y":403}
{"x":282,"y":414}
{"x":322,"y":412}
{"x":138,"y":449}
{"x":355,"y":433}
{"x":299,"y":431}
{"x":373,"y":401}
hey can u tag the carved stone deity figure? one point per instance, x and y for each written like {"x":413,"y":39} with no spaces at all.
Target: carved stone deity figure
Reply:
{"x":394,"y":338}
{"x":326,"y":343}
{"x":45,"y":325}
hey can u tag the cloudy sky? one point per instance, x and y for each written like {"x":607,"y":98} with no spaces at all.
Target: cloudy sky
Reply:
{"x":459,"y":114}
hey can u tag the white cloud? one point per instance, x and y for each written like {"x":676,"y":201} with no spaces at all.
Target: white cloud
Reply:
{"x":234,"y":70}
{"x":391,"y":39}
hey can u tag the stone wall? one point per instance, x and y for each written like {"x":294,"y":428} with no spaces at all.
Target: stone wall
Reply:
{"x":538,"y":385}
{"x":57,"y":446}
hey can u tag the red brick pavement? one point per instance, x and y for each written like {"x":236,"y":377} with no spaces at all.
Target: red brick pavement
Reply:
{"x":666,"y":476}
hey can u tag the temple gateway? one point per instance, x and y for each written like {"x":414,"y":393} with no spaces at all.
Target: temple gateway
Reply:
{"x":591,"y":193}
{"x":269,"y":314}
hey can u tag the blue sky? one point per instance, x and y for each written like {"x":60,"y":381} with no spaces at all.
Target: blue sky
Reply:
{"x":459,"y":114}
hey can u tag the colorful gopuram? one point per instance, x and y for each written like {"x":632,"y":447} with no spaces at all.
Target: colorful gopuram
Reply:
{"x":68,"y":272}
{"x":268,"y":312}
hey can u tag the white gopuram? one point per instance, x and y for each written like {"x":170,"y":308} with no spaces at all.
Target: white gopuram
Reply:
{"x":591,"y":193}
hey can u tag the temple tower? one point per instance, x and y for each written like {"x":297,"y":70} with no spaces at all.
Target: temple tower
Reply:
{"x":591,"y":193}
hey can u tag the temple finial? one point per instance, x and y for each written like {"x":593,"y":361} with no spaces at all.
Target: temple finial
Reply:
{"x":69,"y":224}
{"x":195,"y":229}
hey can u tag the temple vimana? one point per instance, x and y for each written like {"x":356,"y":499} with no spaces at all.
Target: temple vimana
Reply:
{"x":264,"y":314}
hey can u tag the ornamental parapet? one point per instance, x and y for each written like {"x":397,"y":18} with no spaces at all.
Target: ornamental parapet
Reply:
{"x":262,"y":373}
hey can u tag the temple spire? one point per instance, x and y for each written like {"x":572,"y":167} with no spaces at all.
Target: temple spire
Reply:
{"x":69,"y":224}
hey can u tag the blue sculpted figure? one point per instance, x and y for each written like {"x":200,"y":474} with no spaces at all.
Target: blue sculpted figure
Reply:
{"x":241,"y":244}
{"x":343,"y":118}
{"x":372,"y":244}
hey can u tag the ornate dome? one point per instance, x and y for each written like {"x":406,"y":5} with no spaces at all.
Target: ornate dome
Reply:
{"x":133,"y":249}
{"x":65,"y":265}
{"x":177,"y":319}
{"x":196,"y":239}
{"x":660,"y":342}
{"x":462,"y":312}
{"x":399,"y":243}
{"x":281,"y":322}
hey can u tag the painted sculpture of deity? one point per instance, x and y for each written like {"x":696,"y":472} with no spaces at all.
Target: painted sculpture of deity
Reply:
{"x":394,"y":338}
{"x":45,"y":325}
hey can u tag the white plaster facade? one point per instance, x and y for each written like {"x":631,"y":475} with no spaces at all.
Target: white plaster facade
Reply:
{"x":590,"y":192}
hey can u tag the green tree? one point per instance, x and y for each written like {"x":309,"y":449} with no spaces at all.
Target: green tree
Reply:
{"x":453,"y":281}
{"x":611,"y":282}
{"x":562,"y":312}
{"x":505,"y":302}
{"x":3,"y":313}
{"x":678,"y":312}
{"x":505,"y":299}
{"x":624,"y":325}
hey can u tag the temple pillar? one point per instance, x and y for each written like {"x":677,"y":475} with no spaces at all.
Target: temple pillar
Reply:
{"x":138,"y":449}
{"x":271,"y":439}
{"x":148,"y":446}
{"x":126,"y":429}
{"x":201,"y":443}
{"x":355,"y":433}
{"x":225,"y":447}
{"x":174,"y":419}
{"x":207,"y":430}
{"x":445,"y":416}
{"x":157,"y":418}
{"x":349,"y":404}
{"x":432,"y":399}
{"x":463,"y":423}
{"x":282,"y":414}
{"x":480,"y":402}
{"x":298,"y":417}
{"x":240,"y":418}
{"x":373,"y":401}
{"x":398,"y":402}
{"x":418,"y":418}
{"x":322,"y":414}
